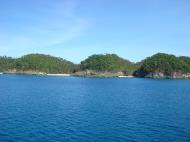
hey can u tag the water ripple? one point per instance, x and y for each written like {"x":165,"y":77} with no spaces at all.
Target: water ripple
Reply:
{"x":57,"y":109}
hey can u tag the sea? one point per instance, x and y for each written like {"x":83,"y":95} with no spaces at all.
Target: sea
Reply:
{"x":79,"y":109}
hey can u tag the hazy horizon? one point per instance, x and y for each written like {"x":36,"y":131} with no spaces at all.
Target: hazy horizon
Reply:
{"x":74,"y":30}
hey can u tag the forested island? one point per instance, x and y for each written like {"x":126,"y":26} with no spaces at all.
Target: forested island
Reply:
{"x":160,"y":65}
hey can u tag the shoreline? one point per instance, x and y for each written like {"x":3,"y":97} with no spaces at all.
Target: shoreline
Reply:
{"x":90,"y":76}
{"x":129,"y":76}
{"x":58,"y":74}
{"x":65,"y":75}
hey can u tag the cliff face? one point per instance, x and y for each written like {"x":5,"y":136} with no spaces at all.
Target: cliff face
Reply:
{"x":157,"y":74}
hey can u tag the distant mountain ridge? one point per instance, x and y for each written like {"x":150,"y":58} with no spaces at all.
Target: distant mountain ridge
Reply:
{"x":160,"y":65}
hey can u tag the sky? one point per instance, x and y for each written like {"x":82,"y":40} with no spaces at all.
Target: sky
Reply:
{"x":76,"y":29}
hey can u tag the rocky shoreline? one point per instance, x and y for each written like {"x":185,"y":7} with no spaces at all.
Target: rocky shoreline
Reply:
{"x":82,"y":73}
{"x":157,"y":74}
{"x":160,"y":65}
{"x":92,"y":73}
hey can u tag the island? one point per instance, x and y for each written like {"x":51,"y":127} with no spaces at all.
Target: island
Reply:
{"x":160,"y":65}
{"x":105,"y":65}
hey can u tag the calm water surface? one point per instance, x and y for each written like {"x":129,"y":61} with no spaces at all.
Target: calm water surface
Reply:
{"x":71,"y":109}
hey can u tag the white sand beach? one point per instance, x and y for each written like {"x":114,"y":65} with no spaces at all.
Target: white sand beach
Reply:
{"x":122,"y":76}
{"x":58,"y":74}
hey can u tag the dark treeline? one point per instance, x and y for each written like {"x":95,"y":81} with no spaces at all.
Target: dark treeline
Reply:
{"x":161,"y":62}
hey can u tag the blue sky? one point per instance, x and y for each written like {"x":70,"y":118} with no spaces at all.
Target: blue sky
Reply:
{"x":75,"y":29}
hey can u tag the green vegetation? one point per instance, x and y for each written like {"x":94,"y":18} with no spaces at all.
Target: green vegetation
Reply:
{"x":6,"y":63}
{"x":186,"y":62}
{"x":165,"y":63}
{"x":108,"y":62}
{"x":44,"y":63}
{"x":158,"y":63}
{"x":37,"y":62}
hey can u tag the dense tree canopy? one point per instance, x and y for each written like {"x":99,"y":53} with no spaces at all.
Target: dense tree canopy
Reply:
{"x":6,"y":63}
{"x":165,"y":63}
{"x":186,"y":62}
{"x":160,"y":62}
{"x":107,"y":62}
{"x":37,"y":62}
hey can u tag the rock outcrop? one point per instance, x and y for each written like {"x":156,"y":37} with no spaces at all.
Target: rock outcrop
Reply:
{"x":94,"y":73}
{"x":157,"y":74}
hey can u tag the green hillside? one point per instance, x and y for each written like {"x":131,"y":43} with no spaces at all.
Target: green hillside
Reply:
{"x":37,"y":62}
{"x":107,"y":62}
{"x":44,"y":63}
{"x":164,"y":63}
{"x":158,"y":64}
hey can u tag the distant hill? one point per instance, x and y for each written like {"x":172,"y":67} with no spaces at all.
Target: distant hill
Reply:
{"x":164,"y":65}
{"x":44,"y":63}
{"x":37,"y":62}
{"x":107,"y":62}
{"x":160,"y":65}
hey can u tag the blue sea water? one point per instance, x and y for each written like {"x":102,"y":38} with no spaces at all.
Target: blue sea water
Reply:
{"x":72,"y":109}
